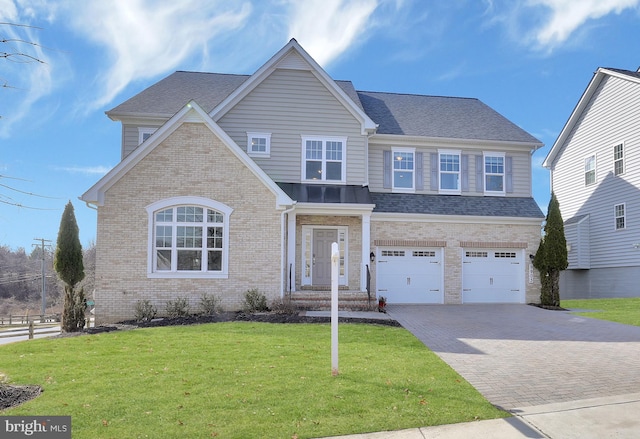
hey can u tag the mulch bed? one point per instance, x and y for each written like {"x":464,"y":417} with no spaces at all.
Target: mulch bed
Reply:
{"x":12,"y":396}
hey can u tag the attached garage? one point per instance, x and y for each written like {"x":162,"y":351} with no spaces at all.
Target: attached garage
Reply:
{"x":493,"y":276}
{"x":410,"y":275}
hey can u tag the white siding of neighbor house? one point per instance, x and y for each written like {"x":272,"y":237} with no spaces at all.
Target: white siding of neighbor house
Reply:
{"x":612,"y":116}
{"x":521,"y":166}
{"x":577,"y":236}
{"x":289,"y":104}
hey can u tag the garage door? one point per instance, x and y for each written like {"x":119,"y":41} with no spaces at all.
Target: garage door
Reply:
{"x":410,"y":275}
{"x":493,"y":276}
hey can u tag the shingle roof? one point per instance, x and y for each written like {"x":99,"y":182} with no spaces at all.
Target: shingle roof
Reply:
{"x":167,"y":96}
{"x":438,"y":116}
{"x":625,"y":72}
{"x":518,"y":207}
{"x":401,"y":114}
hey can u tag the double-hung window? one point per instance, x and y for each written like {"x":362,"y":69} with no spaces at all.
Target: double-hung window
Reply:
{"x":403,"y":169}
{"x":324,"y":159}
{"x":449,"y":175}
{"x":494,"y":167}
{"x":590,"y":170}
{"x":259,"y":144}
{"x":620,"y":216}
{"x":188,"y":240}
{"x":618,"y":159}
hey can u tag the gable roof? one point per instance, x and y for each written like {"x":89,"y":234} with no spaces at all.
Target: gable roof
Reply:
{"x":167,"y":96}
{"x":598,"y":77}
{"x":191,"y":112}
{"x":440,"y":117}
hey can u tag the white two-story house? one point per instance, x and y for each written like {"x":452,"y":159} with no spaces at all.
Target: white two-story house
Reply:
{"x":234,"y":182}
{"x":596,"y":178}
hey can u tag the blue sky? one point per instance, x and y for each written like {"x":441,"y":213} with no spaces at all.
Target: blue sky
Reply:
{"x":528,"y":59}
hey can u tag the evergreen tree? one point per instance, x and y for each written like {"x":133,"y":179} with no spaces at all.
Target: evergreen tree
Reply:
{"x":551,"y":257}
{"x":69,"y":266}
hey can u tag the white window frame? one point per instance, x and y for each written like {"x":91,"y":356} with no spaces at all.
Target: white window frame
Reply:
{"x":616,"y":216}
{"x":174,"y":202}
{"x":142,"y":131}
{"x":458,"y":190}
{"x":307,"y":253}
{"x":254,"y":135}
{"x":324,"y":160}
{"x":394,"y":157}
{"x":620,"y":159}
{"x":594,"y":170}
{"x":503,"y":174}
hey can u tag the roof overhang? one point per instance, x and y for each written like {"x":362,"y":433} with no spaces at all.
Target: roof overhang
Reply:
{"x":334,"y":209}
{"x":402,"y":140}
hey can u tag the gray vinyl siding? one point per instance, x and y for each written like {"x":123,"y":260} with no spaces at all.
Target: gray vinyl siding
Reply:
{"x":599,"y":283}
{"x":130,"y":137}
{"x":521,"y":169}
{"x":289,"y":104}
{"x":612,"y":116}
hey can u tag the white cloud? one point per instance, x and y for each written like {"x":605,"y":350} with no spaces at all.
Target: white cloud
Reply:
{"x":84,"y":170}
{"x":327,"y":28}
{"x":143,"y":38}
{"x":568,"y":15}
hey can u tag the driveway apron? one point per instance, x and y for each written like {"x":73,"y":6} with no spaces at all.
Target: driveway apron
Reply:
{"x":521,"y":355}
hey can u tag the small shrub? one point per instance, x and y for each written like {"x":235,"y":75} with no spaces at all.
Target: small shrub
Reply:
{"x":283,"y":306}
{"x":178,"y":307}
{"x":144,"y":311}
{"x":254,"y":301}
{"x":210,"y":304}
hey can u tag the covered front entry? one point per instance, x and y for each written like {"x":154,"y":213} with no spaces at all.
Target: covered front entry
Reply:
{"x":493,"y":276}
{"x":410,"y":275}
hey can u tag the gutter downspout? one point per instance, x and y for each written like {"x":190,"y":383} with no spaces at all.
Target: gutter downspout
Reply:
{"x":283,"y":266}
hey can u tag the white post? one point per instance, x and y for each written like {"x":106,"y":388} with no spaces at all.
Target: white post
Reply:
{"x":335,"y":260}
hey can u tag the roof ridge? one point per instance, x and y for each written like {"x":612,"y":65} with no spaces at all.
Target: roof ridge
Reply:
{"x":212,"y":73}
{"x":416,"y":94}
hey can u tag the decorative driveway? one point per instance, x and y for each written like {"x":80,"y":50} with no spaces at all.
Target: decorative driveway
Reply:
{"x":521,"y":355}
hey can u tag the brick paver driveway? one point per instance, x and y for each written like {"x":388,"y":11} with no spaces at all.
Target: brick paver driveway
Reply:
{"x":520,"y":355}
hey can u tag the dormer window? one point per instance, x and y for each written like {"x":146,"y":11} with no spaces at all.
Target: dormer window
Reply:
{"x":259,"y":144}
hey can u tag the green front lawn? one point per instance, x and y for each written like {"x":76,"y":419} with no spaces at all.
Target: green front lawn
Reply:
{"x":625,"y":311}
{"x":241,"y":380}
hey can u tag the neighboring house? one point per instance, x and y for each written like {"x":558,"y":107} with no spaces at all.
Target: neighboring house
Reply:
{"x":596,"y":178}
{"x":234,"y":182}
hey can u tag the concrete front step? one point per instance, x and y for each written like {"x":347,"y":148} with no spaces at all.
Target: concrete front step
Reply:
{"x":348,"y":300}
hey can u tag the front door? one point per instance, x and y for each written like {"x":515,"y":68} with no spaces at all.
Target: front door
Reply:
{"x":322,"y":240}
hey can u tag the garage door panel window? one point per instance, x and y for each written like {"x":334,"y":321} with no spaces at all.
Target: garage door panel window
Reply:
{"x":473,"y":254}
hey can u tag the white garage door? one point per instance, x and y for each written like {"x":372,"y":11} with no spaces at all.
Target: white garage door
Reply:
{"x":410,"y":275}
{"x":493,"y":276}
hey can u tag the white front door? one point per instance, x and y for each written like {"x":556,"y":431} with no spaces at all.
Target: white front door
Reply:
{"x":493,"y":276}
{"x":409,"y":275}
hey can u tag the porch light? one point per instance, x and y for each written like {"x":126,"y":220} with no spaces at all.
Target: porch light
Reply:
{"x":372,"y":256}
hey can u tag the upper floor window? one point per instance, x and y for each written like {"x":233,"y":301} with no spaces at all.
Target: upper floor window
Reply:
{"x":403,"y":169}
{"x":620,"y":217}
{"x":259,"y":144}
{"x":449,"y":174}
{"x":323,"y":158}
{"x":590,"y":170}
{"x":494,"y":173}
{"x":188,"y":240}
{"x":144,"y":133}
{"x":618,"y":159}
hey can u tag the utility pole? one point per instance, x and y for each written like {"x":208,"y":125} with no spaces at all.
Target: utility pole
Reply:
{"x":44,"y":269}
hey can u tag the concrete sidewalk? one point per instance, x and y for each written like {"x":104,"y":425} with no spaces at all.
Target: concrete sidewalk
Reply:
{"x":598,"y":418}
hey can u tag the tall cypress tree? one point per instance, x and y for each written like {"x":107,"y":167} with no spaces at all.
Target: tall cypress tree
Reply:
{"x":551,"y":257}
{"x":69,"y":266}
